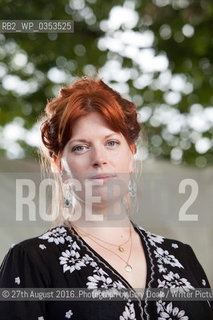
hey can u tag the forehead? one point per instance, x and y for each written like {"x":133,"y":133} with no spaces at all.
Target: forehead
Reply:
{"x":92,"y":127}
{"x":92,"y":123}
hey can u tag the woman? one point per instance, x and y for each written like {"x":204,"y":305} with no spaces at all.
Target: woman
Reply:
{"x":89,"y":137}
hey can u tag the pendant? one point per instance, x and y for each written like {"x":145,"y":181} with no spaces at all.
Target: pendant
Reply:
{"x":128,"y":268}
{"x":121,"y":249}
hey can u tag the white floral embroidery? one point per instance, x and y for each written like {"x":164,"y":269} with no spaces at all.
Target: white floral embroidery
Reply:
{"x":170,"y":313}
{"x":100,"y":279}
{"x":99,"y":276}
{"x":42,"y":246}
{"x":173,"y":280}
{"x":88,"y":260}
{"x":154,"y":238}
{"x":203,"y":282}
{"x":164,"y":257}
{"x":117,"y":284}
{"x":161,"y":268}
{"x":129,"y":312}
{"x":167,"y":279}
{"x":17,"y":280}
{"x":95,"y":280}
{"x":56,"y":235}
{"x":68,"y":314}
{"x":40,"y":318}
{"x":71,"y":261}
{"x":174,"y":245}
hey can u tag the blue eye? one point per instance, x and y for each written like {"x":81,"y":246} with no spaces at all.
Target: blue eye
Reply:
{"x":113,"y":141}
{"x":76,"y":148}
{"x":79,"y":150}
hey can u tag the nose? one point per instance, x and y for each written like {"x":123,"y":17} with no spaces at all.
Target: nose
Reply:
{"x":99,"y":157}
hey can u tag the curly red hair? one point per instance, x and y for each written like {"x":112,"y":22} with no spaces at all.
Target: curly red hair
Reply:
{"x":80,"y":98}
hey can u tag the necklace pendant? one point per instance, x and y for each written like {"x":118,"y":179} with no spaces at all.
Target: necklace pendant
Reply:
{"x":121,"y":249}
{"x":128,"y":268}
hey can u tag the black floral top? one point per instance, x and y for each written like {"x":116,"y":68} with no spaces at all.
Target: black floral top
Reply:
{"x":60,"y":258}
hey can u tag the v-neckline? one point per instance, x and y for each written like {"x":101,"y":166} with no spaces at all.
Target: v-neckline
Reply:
{"x":144,"y":245}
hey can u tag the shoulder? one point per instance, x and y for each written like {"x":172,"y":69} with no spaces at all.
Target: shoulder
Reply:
{"x":166,"y":249}
{"x":56,"y":235}
{"x":40,"y":247}
{"x":176,"y":254}
{"x":31,"y":262}
{"x":156,"y":240}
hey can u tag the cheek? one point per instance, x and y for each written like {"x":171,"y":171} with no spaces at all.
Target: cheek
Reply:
{"x":78,"y":169}
{"x":77,"y":164}
{"x":123,"y":162}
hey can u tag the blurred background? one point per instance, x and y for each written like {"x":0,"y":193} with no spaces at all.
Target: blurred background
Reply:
{"x":156,"y":53}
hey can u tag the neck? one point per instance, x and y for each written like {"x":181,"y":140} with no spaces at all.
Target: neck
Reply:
{"x":109,"y":222}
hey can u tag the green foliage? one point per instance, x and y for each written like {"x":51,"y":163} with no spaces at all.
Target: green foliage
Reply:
{"x":182,"y":31}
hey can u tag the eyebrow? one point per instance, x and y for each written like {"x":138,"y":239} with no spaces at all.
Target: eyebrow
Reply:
{"x":83,"y":140}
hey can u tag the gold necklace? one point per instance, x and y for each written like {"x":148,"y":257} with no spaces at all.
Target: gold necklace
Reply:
{"x":120,"y":247}
{"x":128,"y":267}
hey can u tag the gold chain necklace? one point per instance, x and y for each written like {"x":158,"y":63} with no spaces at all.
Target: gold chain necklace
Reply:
{"x":120,"y":247}
{"x":128,"y":267}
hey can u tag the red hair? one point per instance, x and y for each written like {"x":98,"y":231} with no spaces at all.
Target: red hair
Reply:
{"x":81,"y":97}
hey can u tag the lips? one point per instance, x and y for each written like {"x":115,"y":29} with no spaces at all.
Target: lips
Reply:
{"x":102,"y":176}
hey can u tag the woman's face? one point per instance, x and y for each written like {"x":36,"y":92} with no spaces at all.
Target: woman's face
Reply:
{"x":102,"y":151}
